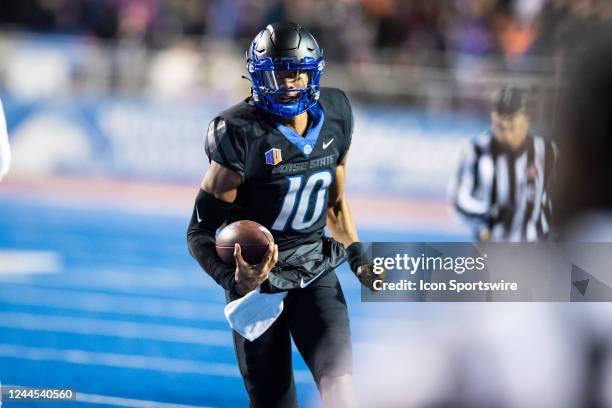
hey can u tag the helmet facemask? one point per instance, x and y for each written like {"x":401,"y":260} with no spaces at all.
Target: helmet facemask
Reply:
{"x":286,"y":87}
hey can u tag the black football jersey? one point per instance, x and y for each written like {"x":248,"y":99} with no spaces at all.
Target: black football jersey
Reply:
{"x":286,"y":176}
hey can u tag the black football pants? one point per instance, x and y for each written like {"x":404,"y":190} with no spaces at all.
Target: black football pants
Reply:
{"x":317,"y":319}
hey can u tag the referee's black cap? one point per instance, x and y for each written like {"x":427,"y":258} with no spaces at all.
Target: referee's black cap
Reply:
{"x":510,"y":100}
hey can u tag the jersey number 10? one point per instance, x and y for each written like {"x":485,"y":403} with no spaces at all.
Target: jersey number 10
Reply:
{"x":298,"y":204}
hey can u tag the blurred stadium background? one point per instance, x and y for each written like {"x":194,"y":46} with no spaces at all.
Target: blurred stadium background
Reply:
{"x":107,"y":102}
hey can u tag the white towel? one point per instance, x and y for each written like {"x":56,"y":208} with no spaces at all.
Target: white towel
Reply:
{"x":254,"y":313}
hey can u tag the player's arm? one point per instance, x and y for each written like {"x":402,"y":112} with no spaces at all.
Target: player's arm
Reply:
{"x":339,"y":219}
{"x":342,"y":227}
{"x":217,"y":193}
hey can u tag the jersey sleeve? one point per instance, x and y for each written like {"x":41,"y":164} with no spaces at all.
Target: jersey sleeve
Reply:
{"x":225,"y":146}
{"x":348,"y":125}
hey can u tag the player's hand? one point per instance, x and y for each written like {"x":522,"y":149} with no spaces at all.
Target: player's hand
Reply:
{"x":248,"y":277}
{"x":366,"y":275}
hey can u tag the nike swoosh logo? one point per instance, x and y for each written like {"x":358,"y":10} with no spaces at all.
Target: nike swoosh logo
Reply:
{"x":304,"y":284}
{"x":198,"y":214}
{"x":326,"y":144}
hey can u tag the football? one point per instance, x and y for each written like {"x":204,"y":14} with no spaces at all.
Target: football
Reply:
{"x":253,"y":238}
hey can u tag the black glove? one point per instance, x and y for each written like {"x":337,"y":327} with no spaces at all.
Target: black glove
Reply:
{"x":362,"y":267}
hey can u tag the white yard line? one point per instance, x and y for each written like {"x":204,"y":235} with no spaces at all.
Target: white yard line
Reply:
{"x":161,"y":364}
{"x":18,"y":262}
{"x":116,"y":328}
{"x":113,"y":303}
{"x":128,"y":402}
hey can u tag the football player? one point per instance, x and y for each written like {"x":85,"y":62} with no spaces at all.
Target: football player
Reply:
{"x":5,"y":151}
{"x":279,"y":158}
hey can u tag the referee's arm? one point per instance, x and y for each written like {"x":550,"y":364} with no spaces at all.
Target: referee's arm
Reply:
{"x":472,"y":207}
{"x":547,"y":221}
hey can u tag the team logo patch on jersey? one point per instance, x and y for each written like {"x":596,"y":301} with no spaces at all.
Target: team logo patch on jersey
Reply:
{"x":273,"y":157}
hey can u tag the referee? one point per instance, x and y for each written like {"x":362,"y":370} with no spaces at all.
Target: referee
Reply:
{"x":503,"y":184}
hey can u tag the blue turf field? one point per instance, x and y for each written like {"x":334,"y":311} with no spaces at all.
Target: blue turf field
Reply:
{"x":128,"y":314}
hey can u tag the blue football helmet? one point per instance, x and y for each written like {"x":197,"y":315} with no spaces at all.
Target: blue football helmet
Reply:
{"x":281,"y":55}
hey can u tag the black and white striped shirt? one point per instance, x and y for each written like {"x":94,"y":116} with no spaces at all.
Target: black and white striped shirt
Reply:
{"x":507,"y":192}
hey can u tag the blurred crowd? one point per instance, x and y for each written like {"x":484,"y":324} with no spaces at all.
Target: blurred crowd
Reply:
{"x":435,"y":54}
{"x":350,"y":30}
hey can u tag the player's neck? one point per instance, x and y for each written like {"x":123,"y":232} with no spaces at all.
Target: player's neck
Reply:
{"x":298,"y":123}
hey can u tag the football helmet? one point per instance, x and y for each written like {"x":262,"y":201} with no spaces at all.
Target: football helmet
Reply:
{"x":285,"y":64}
